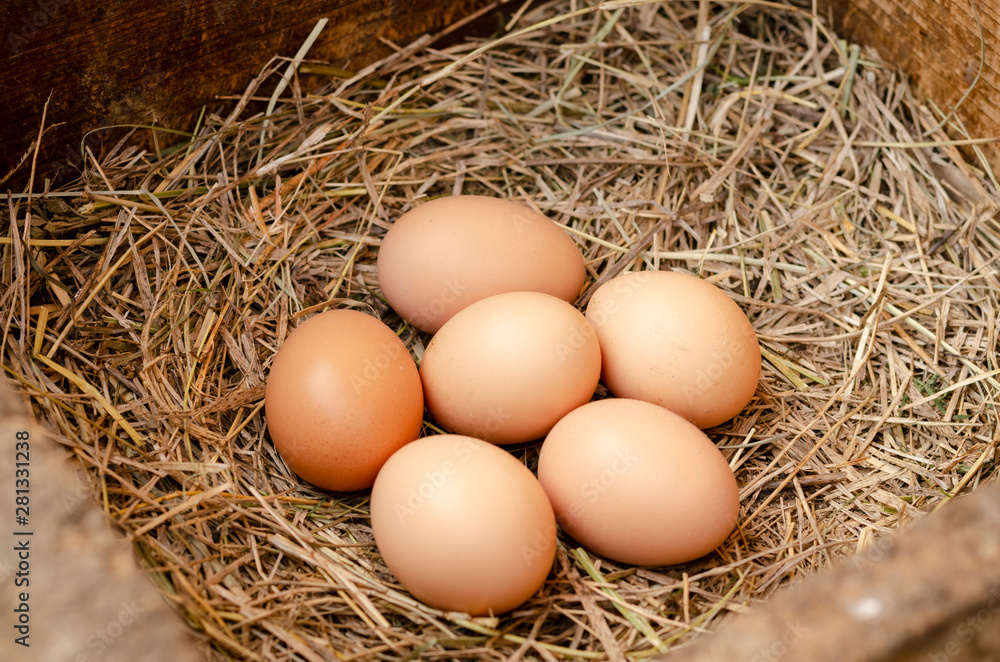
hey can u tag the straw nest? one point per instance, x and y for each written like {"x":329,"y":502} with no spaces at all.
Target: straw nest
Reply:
{"x":741,"y":142}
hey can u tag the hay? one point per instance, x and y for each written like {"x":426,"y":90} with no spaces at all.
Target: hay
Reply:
{"x":739,"y":141}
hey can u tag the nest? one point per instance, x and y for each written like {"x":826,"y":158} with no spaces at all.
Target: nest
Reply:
{"x":741,"y":142}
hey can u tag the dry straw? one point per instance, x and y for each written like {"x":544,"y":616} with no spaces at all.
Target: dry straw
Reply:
{"x":142,"y":304}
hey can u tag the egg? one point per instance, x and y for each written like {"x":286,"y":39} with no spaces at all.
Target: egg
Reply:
{"x":342,"y":395}
{"x":463,"y":525}
{"x":676,"y":341}
{"x":506,"y":368}
{"x":445,"y":254}
{"x":637,"y":483}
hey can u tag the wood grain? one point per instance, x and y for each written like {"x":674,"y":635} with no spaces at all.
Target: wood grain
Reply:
{"x":130,"y":62}
{"x":86,"y":598}
{"x":930,"y":594}
{"x":137,"y":62}
{"x":937,"y":43}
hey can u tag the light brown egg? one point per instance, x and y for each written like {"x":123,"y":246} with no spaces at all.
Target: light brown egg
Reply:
{"x":506,"y":368}
{"x":463,"y":525}
{"x":342,"y":395}
{"x":442,"y":255}
{"x":637,"y":483}
{"x":676,"y":341}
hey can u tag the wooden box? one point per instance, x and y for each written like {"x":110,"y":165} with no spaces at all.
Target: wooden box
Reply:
{"x":79,"y":75}
{"x":131,"y":63}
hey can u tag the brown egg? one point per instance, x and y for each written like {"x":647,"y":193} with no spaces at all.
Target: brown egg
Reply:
{"x":463,"y":525}
{"x":676,"y":341}
{"x":506,"y":368}
{"x":343,"y":394}
{"x":637,"y":483}
{"x":442,"y":255}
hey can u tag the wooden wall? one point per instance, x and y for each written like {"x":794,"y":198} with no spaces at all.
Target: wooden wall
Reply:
{"x":937,"y":43}
{"x":134,"y":61}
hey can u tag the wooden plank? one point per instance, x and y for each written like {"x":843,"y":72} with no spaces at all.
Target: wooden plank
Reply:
{"x":71,"y":589}
{"x":937,"y":43}
{"x":138,"y":62}
{"x":930,"y":594}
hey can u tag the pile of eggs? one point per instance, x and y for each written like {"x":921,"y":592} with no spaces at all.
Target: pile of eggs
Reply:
{"x":462,"y":523}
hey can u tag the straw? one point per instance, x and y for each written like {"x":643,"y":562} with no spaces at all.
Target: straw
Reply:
{"x":142,"y":305}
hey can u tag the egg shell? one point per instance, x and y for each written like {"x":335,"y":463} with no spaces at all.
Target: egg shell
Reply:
{"x":342,"y":395}
{"x":445,"y":254}
{"x":677,"y":341}
{"x":506,"y":368}
{"x":637,"y":483}
{"x":463,"y":525}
